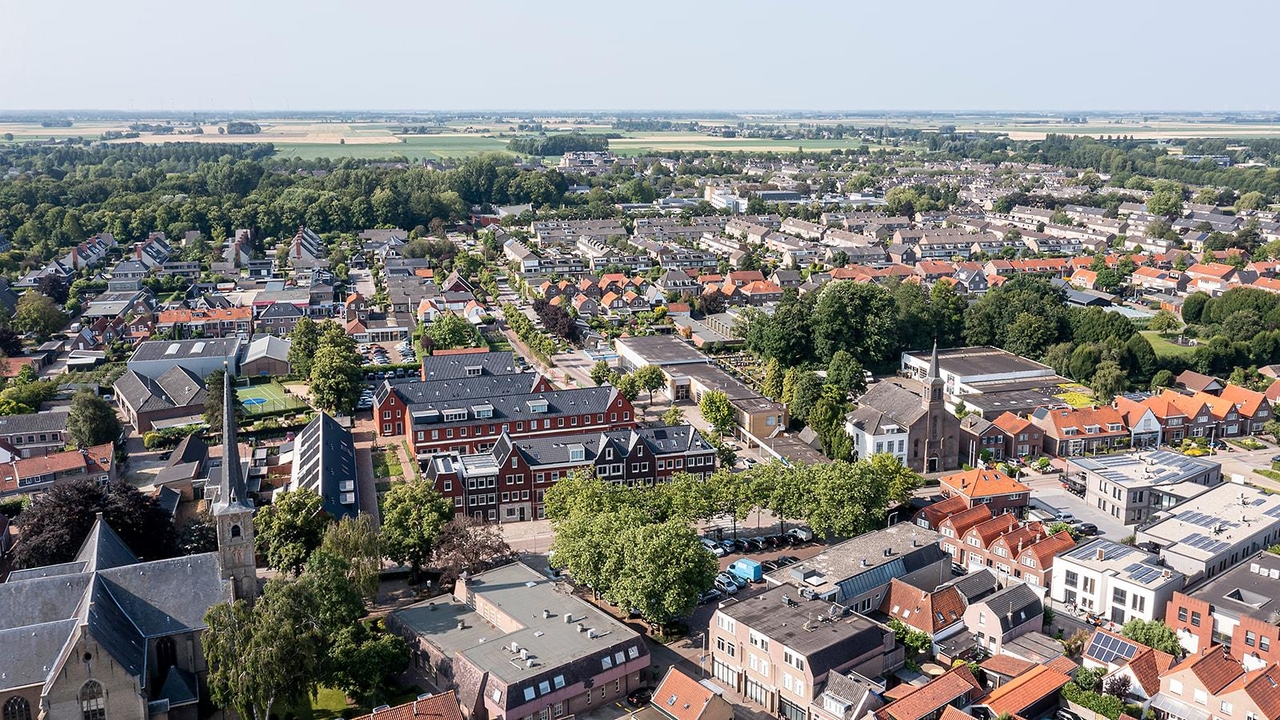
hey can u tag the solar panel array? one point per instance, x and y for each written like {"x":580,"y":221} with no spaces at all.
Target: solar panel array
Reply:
{"x":1199,"y":518}
{"x":1105,"y":648}
{"x":1143,"y":573}
{"x":1207,"y":544}
{"x":1273,"y":512}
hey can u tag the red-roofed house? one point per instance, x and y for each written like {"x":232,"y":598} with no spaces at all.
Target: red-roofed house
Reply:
{"x":981,"y":486}
{"x":1026,"y":439}
{"x":440,"y":706}
{"x":1075,"y":431}
{"x":1032,"y":695}
{"x":35,"y":474}
{"x":957,"y":688}
{"x":681,"y":697}
{"x":938,"y":614}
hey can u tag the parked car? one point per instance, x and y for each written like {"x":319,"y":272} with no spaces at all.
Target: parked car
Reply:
{"x":958,"y":569}
{"x":640,"y":697}
{"x":769,"y":565}
{"x":757,"y":544}
{"x":709,"y":595}
{"x":728,"y":546}
{"x":726,"y":585}
{"x":801,"y":534}
{"x":774,"y":541}
{"x":1064,"y":516}
{"x":713,"y":547}
{"x":1087,"y":529}
{"x":785,"y":560}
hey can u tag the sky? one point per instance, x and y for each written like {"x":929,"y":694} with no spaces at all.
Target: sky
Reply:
{"x":727,"y":55}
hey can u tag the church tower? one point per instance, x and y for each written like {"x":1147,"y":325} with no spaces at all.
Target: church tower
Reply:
{"x":233,"y":511}
{"x":935,"y":407}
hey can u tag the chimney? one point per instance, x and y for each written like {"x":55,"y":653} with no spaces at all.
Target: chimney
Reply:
{"x":1101,"y":554}
{"x":546,"y":614}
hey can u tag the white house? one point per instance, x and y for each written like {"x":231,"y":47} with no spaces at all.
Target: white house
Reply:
{"x":1116,"y":582}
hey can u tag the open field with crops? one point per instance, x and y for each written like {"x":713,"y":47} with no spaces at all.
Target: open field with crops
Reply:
{"x":309,"y":139}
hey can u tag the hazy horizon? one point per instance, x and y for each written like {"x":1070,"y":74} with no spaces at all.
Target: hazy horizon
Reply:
{"x":287,"y":56}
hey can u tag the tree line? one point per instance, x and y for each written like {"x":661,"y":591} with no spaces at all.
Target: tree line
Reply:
{"x":636,"y":546}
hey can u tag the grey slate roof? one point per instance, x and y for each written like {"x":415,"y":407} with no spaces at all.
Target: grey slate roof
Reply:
{"x":177,"y":387}
{"x":120,"y":602}
{"x":281,"y":310}
{"x":886,"y":404}
{"x":40,"y":645}
{"x":54,"y":420}
{"x":474,"y":388}
{"x":1014,"y":605}
{"x":267,"y":346}
{"x":976,"y":585}
{"x":512,"y":408}
{"x":546,"y":451}
{"x":449,"y":367}
{"x":160,"y":349}
{"x":324,"y":460}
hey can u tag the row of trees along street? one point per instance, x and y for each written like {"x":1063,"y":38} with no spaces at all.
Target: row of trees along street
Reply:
{"x":637,"y":547}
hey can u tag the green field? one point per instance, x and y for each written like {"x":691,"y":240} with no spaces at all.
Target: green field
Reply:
{"x":267,"y":398}
{"x":1164,"y":348}
{"x":413,"y":147}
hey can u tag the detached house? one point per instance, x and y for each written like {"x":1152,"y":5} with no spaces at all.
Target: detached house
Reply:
{"x":986,"y":487}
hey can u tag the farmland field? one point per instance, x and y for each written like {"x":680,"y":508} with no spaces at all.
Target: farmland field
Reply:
{"x":311,"y":138}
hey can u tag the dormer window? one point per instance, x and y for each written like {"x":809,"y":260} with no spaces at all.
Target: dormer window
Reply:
{"x":455,"y":415}
{"x":537,"y":406}
{"x":576,"y":453}
{"x":482,"y":411}
{"x":474,"y":370}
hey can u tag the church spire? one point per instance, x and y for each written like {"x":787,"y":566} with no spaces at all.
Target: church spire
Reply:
{"x":933,"y":362}
{"x":232,"y":493}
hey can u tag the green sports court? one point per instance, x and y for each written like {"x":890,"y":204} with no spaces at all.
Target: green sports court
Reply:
{"x":267,"y":398}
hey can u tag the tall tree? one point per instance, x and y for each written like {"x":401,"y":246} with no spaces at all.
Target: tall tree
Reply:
{"x":450,"y":331}
{"x":651,"y":378}
{"x":413,"y":514}
{"x":271,"y":653}
{"x":38,"y":315}
{"x":290,"y":529}
{"x":91,"y":420}
{"x":60,"y":518}
{"x":467,"y":543}
{"x":304,"y":341}
{"x":336,"y":375}
{"x":356,"y":540}
{"x":666,"y":567}
{"x":717,"y":411}
{"x":601,"y":372}
{"x":847,"y":374}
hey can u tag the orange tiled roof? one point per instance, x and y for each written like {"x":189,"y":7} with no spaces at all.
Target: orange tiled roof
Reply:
{"x":1045,"y":550}
{"x":1247,"y":400}
{"x":956,"y":683}
{"x":981,"y":482}
{"x":1007,"y":665}
{"x":1263,"y":687}
{"x":1010,"y":423}
{"x":441,"y":706}
{"x":680,"y":696}
{"x":1080,"y":418}
{"x":1213,"y":667}
{"x":940,"y":511}
{"x":962,"y":521}
{"x":929,"y":612}
{"x":1216,"y":270}
{"x":1147,"y":667}
{"x":1024,"y":691}
{"x":988,"y":531}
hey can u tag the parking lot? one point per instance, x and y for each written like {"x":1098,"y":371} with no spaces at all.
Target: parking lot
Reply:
{"x":1047,"y":490}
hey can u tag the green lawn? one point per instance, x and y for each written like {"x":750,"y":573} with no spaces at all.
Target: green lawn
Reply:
{"x":386,"y":464}
{"x":267,"y":398}
{"x":1164,"y":348}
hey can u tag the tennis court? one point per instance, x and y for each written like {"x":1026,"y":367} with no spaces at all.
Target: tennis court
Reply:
{"x":266,"y":398}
